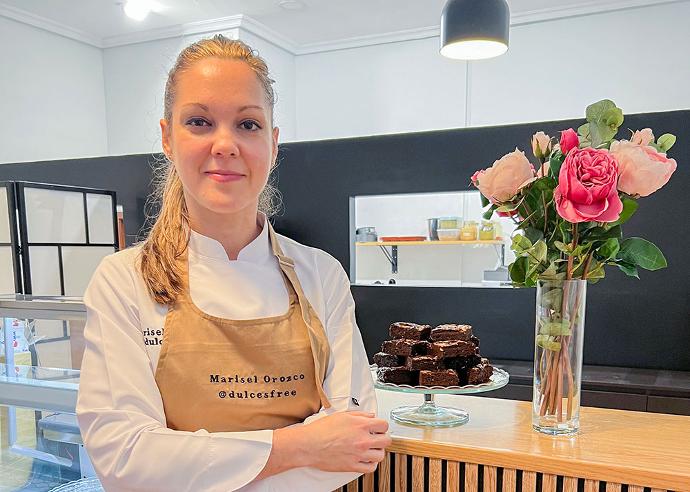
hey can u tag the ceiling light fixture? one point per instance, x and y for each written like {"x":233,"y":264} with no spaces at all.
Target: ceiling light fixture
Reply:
{"x":137,"y":9}
{"x":474,"y":29}
{"x":291,"y":4}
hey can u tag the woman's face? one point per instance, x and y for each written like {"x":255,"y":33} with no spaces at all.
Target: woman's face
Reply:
{"x":220,"y":137}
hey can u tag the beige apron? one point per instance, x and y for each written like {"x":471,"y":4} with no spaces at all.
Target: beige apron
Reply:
{"x":237,"y":375}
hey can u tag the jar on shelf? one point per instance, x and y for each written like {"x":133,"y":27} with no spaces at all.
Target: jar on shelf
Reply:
{"x":451,"y":222}
{"x":487,"y":232}
{"x":469,"y":231}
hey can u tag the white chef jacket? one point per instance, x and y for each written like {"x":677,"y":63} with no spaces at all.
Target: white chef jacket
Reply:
{"x":120,"y":410}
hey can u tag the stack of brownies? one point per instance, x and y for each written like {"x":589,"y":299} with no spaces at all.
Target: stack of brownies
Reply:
{"x":447,"y":355}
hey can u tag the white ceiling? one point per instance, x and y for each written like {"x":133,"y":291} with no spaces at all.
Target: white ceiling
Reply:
{"x":321,"y":21}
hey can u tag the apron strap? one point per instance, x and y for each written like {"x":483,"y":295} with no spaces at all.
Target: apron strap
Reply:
{"x":316,"y":330}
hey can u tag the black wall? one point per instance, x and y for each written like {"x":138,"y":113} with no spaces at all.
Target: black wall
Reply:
{"x":633,"y":323}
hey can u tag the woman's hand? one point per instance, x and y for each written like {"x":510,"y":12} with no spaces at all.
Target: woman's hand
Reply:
{"x":341,"y":442}
{"x":346,"y":441}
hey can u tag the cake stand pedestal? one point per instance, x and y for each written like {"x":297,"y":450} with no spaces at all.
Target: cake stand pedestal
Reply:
{"x":431,"y":415}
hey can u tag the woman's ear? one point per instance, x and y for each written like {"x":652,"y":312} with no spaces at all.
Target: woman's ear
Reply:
{"x":274,"y":154}
{"x":165,"y":138}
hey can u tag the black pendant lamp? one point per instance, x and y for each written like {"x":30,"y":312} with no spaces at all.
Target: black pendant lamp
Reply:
{"x":474,"y":29}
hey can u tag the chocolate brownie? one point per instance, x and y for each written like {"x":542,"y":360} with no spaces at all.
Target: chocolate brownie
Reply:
{"x":411,"y":331}
{"x":423,"y":363}
{"x":463,"y":362}
{"x":447,"y":377}
{"x":451,"y":348}
{"x":451,"y":332}
{"x":396,"y":375}
{"x":388,"y":360}
{"x":402,"y":346}
{"x":474,"y":340}
{"x":480,"y":373}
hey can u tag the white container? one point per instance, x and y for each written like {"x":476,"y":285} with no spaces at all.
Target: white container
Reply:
{"x":448,"y":234}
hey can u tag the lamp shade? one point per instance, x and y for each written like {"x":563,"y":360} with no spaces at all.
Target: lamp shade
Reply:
{"x":474,"y":29}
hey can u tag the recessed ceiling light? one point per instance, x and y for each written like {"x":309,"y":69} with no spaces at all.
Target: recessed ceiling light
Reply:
{"x":291,"y":4}
{"x":137,"y":9}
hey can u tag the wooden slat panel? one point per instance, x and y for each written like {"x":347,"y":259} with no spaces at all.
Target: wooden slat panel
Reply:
{"x":489,"y":479}
{"x":400,"y":472}
{"x":613,"y":487}
{"x":417,"y":474}
{"x":591,"y":485}
{"x":452,"y":476}
{"x":368,"y":482}
{"x":635,"y":488}
{"x":548,"y":483}
{"x":353,"y":486}
{"x":569,"y":484}
{"x":471,"y":476}
{"x":529,"y":481}
{"x":658,"y":490}
{"x":435,"y":475}
{"x":384,"y":472}
{"x":509,"y":480}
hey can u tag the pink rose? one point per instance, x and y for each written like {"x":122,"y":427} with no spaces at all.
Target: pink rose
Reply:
{"x":643,"y":170}
{"x":586,"y":188}
{"x":503,"y":180}
{"x":541,"y":145}
{"x":643,"y":137}
{"x":569,"y":140}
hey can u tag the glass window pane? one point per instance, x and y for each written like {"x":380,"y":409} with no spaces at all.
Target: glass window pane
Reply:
{"x":6,"y":271}
{"x":100,"y":211}
{"x":45,"y":271}
{"x":4,"y":216}
{"x":78,"y":265}
{"x":55,"y":216}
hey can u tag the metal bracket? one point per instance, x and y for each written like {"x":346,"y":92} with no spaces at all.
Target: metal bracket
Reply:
{"x":392,"y":257}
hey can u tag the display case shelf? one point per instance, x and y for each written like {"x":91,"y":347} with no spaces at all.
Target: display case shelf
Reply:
{"x":428,"y":243}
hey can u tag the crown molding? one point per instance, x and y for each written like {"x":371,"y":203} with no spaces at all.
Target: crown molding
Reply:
{"x":34,"y":20}
{"x":256,"y":28}
{"x":176,"y":31}
{"x":369,"y":40}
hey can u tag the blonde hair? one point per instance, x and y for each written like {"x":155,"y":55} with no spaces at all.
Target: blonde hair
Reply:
{"x":169,"y":235}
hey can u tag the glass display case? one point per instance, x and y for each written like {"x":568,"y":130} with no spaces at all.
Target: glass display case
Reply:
{"x":41,"y":347}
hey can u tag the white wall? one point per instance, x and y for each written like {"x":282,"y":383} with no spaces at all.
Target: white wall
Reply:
{"x":51,"y":104}
{"x":552,"y":70}
{"x":135,"y":82}
{"x":388,"y":88}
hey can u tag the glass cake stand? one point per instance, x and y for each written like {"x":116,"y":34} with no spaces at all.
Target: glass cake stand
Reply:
{"x":431,"y":415}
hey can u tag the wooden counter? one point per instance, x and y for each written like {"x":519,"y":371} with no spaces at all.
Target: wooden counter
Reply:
{"x":498,"y":451}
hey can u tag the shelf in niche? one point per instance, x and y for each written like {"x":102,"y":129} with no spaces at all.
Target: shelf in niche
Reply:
{"x":426,"y":243}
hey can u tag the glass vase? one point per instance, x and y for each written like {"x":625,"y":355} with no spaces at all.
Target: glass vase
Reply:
{"x":559,"y":335}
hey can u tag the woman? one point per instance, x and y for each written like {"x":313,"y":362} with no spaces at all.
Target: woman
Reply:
{"x":221,"y":355}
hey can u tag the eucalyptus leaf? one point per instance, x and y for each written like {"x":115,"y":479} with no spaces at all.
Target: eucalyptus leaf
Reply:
{"x":555,"y":328}
{"x":547,"y":343}
{"x":666,"y":141}
{"x":520,"y":244}
{"x":583,"y":131}
{"x":604,"y":118}
{"x":642,"y":253}
{"x":518,"y":270}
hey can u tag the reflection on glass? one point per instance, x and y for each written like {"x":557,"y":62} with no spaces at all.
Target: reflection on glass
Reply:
{"x":428,"y":239}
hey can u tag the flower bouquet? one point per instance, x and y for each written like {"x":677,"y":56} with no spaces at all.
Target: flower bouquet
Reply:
{"x":568,"y":213}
